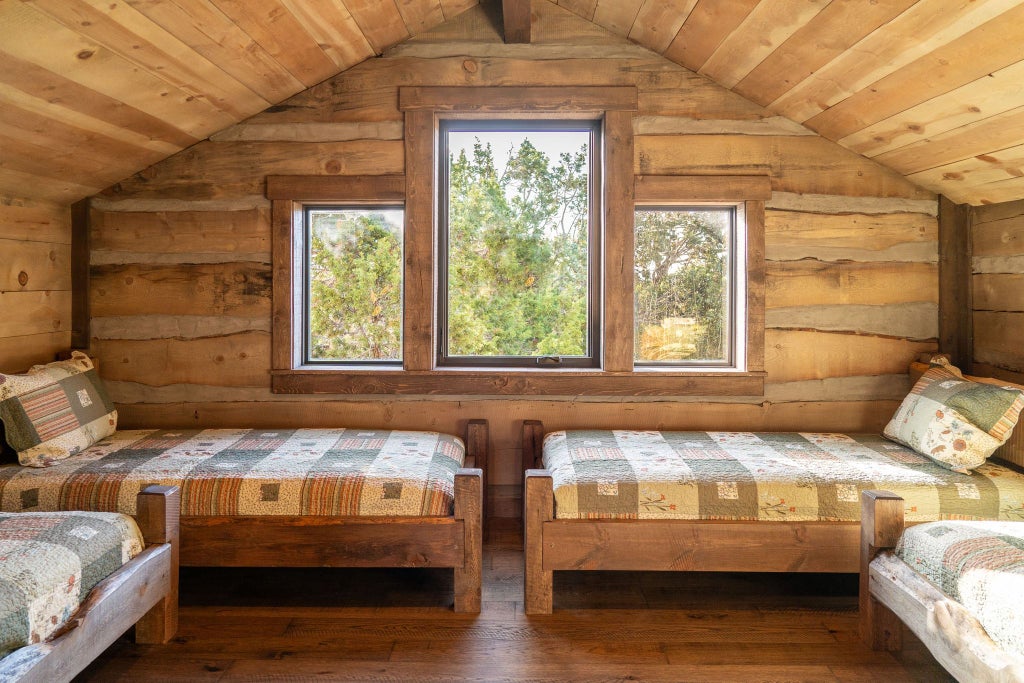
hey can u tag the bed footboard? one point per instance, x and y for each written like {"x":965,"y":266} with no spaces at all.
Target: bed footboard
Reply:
{"x":469,"y":504}
{"x":538,"y":509}
{"x":158,"y":519}
{"x":881,"y":526}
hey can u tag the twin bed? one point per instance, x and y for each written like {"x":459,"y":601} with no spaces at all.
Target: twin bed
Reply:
{"x":301,"y":497}
{"x":699,"y":501}
{"x":722,"y":501}
{"x":807,"y":502}
{"x":214,"y":497}
{"x":72,"y":582}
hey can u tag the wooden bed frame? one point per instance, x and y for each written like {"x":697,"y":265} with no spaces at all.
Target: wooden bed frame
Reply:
{"x":664,"y":545}
{"x":680,"y":545}
{"x":893,"y":594}
{"x":143,"y":592}
{"x":305,"y":541}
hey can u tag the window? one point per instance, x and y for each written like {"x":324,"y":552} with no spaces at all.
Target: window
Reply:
{"x":518,"y":243}
{"x":353,"y":284}
{"x":413,"y":284}
{"x":688,"y":277}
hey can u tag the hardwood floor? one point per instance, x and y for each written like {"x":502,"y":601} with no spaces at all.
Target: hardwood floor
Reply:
{"x":396,"y":625}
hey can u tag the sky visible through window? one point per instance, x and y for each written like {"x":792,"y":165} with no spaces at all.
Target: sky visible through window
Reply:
{"x":503,"y":143}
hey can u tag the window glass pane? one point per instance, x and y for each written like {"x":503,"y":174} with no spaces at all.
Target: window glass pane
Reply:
{"x":682,"y":285}
{"x":354,"y":286}
{"x":518,"y":267}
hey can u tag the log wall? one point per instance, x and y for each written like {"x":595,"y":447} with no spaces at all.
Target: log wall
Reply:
{"x":997,"y":245}
{"x":35,"y":282}
{"x":180,"y":278}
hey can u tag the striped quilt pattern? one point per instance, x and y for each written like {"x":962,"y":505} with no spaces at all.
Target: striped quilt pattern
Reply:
{"x":768,"y":476}
{"x":49,"y":410}
{"x":243,"y":472}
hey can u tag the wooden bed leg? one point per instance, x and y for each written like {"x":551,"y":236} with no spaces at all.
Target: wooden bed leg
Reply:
{"x":157,"y":516}
{"x":538,"y":507}
{"x":477,"y":447}
{"x":469,"y":492}
{"x":533,"y":443}
{"x":881,"y":526}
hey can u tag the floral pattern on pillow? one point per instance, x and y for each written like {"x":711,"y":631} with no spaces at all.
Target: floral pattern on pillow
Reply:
{"x":954,"y":421}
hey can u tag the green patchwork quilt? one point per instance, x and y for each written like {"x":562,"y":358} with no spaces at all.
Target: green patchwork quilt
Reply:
{"x":978,"y":564}
{"x":319,"y":472}
{"x":769,"y":476}
{"x":48,"y":564}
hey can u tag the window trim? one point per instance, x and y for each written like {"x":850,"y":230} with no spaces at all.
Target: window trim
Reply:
{"x":592,"y":358}
{"x":288,"y":196}
{"x":750,"y":190}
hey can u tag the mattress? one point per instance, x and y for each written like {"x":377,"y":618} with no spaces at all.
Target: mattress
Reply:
{"x":235,"y":472}
{"x":48,"y":564}
{"x":768,"y":476}
{"x":978,"y":564}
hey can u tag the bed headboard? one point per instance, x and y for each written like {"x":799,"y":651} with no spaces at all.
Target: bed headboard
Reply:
{"x":1013,"y":450}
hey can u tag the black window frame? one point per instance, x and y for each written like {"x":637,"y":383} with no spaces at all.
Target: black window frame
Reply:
{"x":593,"y":358}
{"x":305,"y":280}
{"x":733,"y":293}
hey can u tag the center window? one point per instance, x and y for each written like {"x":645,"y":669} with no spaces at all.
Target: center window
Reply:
{"x":519,"y":251}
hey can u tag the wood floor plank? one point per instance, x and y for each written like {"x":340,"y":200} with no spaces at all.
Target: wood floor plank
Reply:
{"x":397,"y":625}
{"x":490,"y":671}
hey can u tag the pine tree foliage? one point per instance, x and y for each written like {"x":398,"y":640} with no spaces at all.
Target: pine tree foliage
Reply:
{"x":355,"y":286}
{"x":518,"y":254}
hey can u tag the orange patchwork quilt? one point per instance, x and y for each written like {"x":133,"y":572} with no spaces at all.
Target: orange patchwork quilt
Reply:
{"x":318,"y":472}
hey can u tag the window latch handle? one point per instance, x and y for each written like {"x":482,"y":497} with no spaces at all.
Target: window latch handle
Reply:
{"x":549,"y":360}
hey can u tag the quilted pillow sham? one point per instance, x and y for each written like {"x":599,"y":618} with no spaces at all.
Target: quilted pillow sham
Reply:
{"x":55,"y":411}
{"x":954,"y":421}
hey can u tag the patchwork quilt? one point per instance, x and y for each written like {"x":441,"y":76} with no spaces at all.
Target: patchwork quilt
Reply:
{"x":769,"y":476}
{"x":319,"y":472}
{"x":48,"y":564}
{"x":978,"y":564}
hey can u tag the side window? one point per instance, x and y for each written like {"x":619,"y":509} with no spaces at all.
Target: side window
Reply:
{"x":689,"y":286}
{"x":352,"y":284}
{"x":518,"y":243}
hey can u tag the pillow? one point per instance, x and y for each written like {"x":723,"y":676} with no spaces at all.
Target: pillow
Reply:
{"x":55,"y":410}
{"x":954,"y":421}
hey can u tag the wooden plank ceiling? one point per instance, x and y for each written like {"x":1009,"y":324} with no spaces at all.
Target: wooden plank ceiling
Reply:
{"x":92,"y":91}
{"x":931,"y":88}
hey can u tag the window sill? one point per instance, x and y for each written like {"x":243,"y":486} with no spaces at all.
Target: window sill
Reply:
{"x":504,"y":382}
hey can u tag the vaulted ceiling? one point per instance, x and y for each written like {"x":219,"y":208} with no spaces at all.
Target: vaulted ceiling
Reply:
{"x":92,"y":91}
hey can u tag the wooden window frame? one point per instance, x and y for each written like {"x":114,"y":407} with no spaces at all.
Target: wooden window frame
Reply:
{"x":423,"y":108}
{"x":289,"y":197}
{"x":752,"y":191}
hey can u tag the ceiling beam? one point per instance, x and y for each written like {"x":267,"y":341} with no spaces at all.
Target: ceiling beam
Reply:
{"x":516,"y":17}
